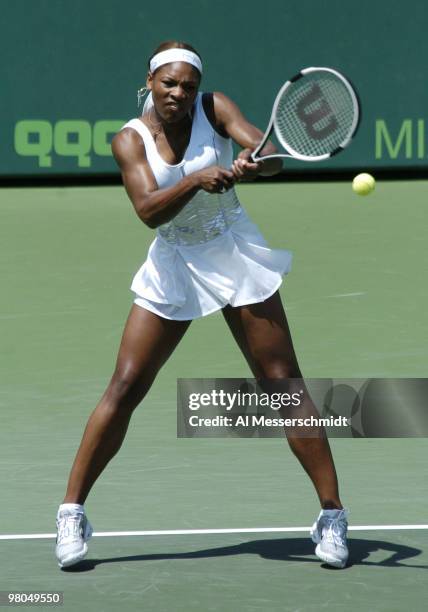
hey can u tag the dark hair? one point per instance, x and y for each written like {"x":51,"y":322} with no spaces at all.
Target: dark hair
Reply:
{"x":173,"y":44}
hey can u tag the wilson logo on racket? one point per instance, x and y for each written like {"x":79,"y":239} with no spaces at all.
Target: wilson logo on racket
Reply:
{"x":314,"y":116}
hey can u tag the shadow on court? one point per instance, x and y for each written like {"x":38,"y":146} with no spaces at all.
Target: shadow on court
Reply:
{"x":294,"y":549}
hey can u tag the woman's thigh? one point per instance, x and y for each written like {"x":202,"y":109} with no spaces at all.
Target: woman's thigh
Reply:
{"x":147,"y":342}
{"x":262,"y":333}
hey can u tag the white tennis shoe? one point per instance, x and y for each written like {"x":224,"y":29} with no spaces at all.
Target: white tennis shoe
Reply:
{"x":329,"y":533}
{"x":73,"y":531}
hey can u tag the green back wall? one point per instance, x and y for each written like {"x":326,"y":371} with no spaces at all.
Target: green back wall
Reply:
{"x":70,"y":71}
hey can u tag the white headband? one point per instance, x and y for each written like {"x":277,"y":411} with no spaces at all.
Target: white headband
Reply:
{"x":175,"y":55}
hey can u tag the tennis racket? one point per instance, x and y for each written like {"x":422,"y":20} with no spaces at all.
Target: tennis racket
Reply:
{"x":315,"y":115}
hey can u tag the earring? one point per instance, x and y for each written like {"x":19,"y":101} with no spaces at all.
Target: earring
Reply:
{"x":140,"y":94}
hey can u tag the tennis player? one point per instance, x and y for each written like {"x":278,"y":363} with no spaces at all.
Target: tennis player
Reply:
{"x":178,"y":170}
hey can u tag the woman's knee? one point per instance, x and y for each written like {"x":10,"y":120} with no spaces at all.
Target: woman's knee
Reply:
{"x":284,"y":367}
{"x":128,"y":387}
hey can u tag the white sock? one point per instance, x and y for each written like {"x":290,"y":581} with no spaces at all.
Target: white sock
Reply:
{"x":75,"y":508}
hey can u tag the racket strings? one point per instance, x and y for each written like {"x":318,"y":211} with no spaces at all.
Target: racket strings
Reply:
{"x":315,"y":115}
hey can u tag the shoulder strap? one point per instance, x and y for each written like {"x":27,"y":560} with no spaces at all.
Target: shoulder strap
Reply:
{"x":208,"y":106}
{"x":144,"y":132}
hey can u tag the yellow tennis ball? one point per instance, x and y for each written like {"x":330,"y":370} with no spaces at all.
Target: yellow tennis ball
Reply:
{"x":363,"y":184}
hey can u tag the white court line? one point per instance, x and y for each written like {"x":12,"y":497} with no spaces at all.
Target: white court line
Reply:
{"x":118,"y":534}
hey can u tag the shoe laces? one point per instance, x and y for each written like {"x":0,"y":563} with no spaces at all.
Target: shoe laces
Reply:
{"x":69,"y":525}
{"x":334,"y":529}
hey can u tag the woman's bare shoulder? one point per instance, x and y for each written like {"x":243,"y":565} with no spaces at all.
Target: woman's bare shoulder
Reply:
{"x":127,"y":146}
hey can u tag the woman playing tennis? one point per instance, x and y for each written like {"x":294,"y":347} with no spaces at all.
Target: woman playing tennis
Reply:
{"x":178,"y":170}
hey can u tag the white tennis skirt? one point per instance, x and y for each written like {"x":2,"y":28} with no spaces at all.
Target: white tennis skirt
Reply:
{"x":186,"y":282}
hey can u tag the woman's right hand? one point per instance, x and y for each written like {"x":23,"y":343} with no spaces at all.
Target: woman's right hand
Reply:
{"x":214,"y":179}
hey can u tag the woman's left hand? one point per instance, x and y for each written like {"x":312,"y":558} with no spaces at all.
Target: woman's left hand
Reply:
{"x":244,"y":168}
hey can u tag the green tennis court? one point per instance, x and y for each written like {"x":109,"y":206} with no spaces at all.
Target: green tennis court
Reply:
{"x":356,"y":305}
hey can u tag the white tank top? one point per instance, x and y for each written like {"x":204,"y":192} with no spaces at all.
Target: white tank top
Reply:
{"x":206,"y":215}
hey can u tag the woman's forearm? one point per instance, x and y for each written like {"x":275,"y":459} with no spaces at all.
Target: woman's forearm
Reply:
{"x":162,"y":205}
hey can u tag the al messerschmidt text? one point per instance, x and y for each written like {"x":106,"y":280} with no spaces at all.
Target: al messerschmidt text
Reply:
{"x":254,"y":420}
